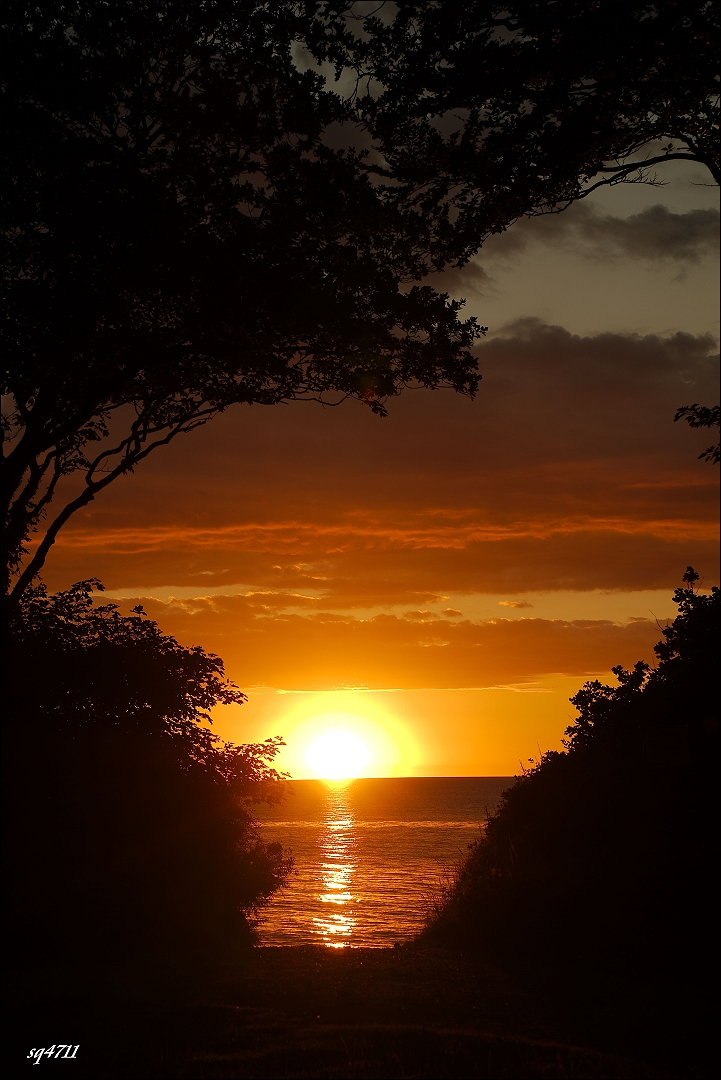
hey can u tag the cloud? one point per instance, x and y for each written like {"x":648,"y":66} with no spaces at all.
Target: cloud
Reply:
{"x":654,"y":233}
{"x":471,"y":278}
{"x":316,"y":651}
{"x":338,"y":539}
{"x":566,"y":472}
{"x":365,"y":576}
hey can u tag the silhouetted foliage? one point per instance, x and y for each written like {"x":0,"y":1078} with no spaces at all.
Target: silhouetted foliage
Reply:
{"x":485,"y":111}
{"x":182,"y":233}
{"x":128,"y":825}
{"x":698,"y":416}
{"x":608,"y":852}
{"x":188,"y":224}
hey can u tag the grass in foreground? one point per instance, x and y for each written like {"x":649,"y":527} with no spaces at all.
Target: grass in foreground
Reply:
{"x":314,"y":1012}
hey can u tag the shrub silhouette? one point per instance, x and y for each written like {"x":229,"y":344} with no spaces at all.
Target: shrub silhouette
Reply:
{"x":607,"y":853}
{"x":127,"y":822}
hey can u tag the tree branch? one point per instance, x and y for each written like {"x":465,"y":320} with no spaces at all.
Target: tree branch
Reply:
{"x":621,"y":171}
{"x":130,"y":459}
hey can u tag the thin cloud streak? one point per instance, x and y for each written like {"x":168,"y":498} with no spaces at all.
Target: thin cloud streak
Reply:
{"x":652,"y":234}
{"x":322,"y":651}
{"x":276,"y":536}
{"x":567,"y":472}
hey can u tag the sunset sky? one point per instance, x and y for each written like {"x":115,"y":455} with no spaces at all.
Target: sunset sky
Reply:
{"x":446,"y":577}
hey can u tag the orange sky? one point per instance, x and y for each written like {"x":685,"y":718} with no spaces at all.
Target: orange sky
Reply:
{"x":534,"y":534}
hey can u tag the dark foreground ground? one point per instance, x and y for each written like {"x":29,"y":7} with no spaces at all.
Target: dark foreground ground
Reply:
{"x":312,"y":1012}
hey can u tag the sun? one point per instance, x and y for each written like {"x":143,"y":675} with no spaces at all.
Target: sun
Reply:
{"x":344,"y":735}
{"x":338,"y":755}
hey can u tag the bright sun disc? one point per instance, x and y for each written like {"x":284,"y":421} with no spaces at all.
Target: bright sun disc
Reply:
{"x":338,"y":755}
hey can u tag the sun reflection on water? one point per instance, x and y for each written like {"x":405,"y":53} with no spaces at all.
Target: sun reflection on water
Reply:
{"x":338,"y":863}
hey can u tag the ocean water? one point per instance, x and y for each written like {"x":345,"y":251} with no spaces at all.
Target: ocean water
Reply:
{"x":369,"y":854}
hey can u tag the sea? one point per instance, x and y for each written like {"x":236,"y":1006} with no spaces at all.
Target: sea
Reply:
{"x":370,"y":855}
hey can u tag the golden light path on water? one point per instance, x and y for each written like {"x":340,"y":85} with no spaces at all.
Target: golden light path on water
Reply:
{"x":337,"y":746}
{"x":338,"y":863}
{"x":366,"y":853}
{"x":335,"y":755}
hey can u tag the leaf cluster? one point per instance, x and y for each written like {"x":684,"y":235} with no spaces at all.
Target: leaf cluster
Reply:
{"x":117,"y":792}
{"x":681,"y":689}
{"x":698,"y":416}
{"x":604,"y":857}
{"x":490,"y":111}
{"x":182,"y":234}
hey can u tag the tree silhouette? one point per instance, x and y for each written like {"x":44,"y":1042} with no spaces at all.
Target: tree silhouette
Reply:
{"x":483,"y":111}
{"x":128,"y":823}
{"x":181,"y":235}
{"x":189,"y":224}
{"x":698,"y":416}
{"x":607,"y":854}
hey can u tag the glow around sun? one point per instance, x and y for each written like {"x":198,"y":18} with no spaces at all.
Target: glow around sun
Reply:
{"x":359,"y":739}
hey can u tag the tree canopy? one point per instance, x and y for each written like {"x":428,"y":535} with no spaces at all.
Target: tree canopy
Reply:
{"x":698,"y":416}
{"x":606,"y":854}
{"x":680,"y":690}
{"x":128,"y":825}
{"x":485,"y":111}
{"x":195,"y":217}
{"x":181,"y":235}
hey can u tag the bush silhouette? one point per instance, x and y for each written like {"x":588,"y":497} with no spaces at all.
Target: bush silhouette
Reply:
{"x":128,"y":825}
{"x":607,"y":853}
